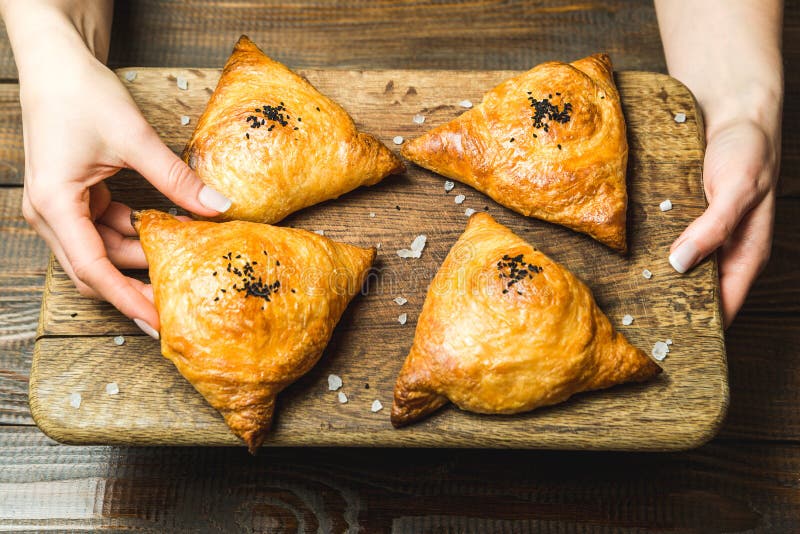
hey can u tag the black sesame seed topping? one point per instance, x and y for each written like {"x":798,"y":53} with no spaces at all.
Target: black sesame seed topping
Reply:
{"x":559,"y":146}
{"x":397,"y":208}
{"x":511,"y":140}
{"x":515,"y":270}
{"x":545,"y":111}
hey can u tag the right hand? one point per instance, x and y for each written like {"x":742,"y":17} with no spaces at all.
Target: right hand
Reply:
{"x":80,"y":127}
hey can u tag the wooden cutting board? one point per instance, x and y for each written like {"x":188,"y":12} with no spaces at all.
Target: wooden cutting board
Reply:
{"x":75,"y":350}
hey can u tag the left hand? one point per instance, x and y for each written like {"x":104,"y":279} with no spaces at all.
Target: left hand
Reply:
{"x":740,"y":176}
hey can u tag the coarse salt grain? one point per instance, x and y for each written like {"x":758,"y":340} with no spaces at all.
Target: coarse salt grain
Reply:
{"x":184,"y":120}
{"x":112,"y":388}
{"x":319,"y":232}
{"x":448,"y":186}
{"x":465,"y":103}
{"x":130,"y":75}
{"x":402,"y":318}
{"x":660,"y":350}
{"x":459,"y":199}
{"x":680,"y":118}
{"x":418,"y":245}
{"x":372,"y":214}
{"x":400,"y":300}
{"x":398,"y":140}
{"x":418,"y":118}
{"x":75,"y":400}
{"x":627,"y":319}
{"x":334,"y":382}
{"x":668,"y":342}
{"x":666,"y":205}
{"x":376,"y":406}
{"x":119,"y":340}
{"x":378,"y":245}
{"x":342,"y":397}
{"x":468,"y":212}
{"x":647,"y":274}
{"x":183,"y":83}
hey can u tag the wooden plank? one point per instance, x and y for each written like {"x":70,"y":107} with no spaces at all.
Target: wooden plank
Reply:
{"x":12,"y":153}
{"x":66,"y":360}
{"x":22,"y":259}
{"x":722,"y":487}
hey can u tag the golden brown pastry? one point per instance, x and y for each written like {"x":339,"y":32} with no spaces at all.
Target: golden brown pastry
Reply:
{"x":273,"y":144}
{"x":549,"y":143}
{"x":246,"y":308}
{"x":505,"y":329}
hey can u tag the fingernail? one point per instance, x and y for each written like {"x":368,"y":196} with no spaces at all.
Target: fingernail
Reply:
{"x":685,"y":256}
{"x":147,"y":329}
{"x":213,"y":199}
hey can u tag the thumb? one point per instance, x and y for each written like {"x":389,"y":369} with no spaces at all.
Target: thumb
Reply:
{"x":708,"y":232}
{"x":151,"y":158}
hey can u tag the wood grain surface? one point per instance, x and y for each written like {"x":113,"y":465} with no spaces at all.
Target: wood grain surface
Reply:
{"x":684,"y":408}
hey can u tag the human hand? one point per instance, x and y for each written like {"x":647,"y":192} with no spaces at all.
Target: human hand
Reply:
{"x":80,"y":127}
{"x":739,"y":175}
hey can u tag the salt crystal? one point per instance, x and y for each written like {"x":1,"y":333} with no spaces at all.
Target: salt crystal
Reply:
{"x":75,"y":400}
{"x":372,"y":214}
{"x":402,"y":318}
{"x":112,"y":388}
{"x":668,"y":342}
{"x":119,"y":340}
{"x":398,"y":140}
{"x":666,"y":205}
{"x":184,"y":120}
{"x":376,"y":406}
{"x":319,"y":232}
{"x":680,"y":118}
{"x":627,"y":319}
{"x":419,"y":243}
{"x":465,"y":103}
{"x":334,"y":382}
{"x":183,"y":83}
{"x":647,"y":274}
{"x":468,"y":212}
{"x":130,"y":75}
{"x":400,"y":301}
{"x":418,"y":119}
{"x":459,"y":199}
{"x":378,"y":245}
{"x":448,"y":186}
{"x":660,"y":350}
{"x":342,"y":397}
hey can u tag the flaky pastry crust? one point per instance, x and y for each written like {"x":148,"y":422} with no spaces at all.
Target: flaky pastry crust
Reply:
{"x":246,"y":308}
{"x":273,"y":144}
{"x":549,"y":143}
{"x":505,"y":329}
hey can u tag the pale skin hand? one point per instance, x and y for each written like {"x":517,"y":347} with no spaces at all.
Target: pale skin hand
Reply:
{"x":728,"y":52}
{"x":81,"y":126}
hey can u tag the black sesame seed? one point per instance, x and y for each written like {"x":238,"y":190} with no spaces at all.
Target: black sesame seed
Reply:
{"x":214,"y":273}
{"x":559,"y":146}
{"x":73,"y":314}
{"x":277,"y":263}
{"x":397,"y":208}
{"x":511,"y":140}
{"x":366,"y":386}
{"x":247,"y":135}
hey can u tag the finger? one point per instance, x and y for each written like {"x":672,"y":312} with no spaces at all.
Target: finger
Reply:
{"x":743,"y":258}
{"x":85,"y":252}
{"x":99,"y":200}
{"x":124,"y":252}
{"x":709,"y":231}
{"x":169,"y":174}
{"x":118,"y":217}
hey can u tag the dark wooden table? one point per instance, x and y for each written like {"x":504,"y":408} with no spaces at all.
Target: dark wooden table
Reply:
{"x":747,"y":479}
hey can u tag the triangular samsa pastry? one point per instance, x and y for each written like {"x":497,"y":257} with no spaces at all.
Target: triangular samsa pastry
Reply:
{"x":505,"y":329}
{"x":246,"y":308}
{"x":549,"y":143}
{"x":273,"y":144}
